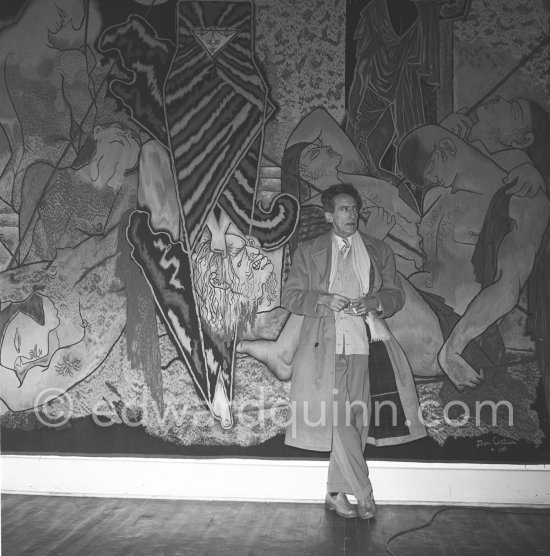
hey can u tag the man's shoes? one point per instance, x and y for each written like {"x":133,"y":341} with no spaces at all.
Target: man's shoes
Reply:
{"x":340,"y":505}
{"x":366,"y":508}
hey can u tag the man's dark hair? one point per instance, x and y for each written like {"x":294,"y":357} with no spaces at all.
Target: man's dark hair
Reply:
{"x":539,"y":151}
{"x":327,"y":197}
{"x":413,"y":158}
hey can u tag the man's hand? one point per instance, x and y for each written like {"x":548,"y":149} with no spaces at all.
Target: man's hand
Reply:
{"x":361,"y":306}
{"x":456,"y":368}
{"x":458,"y":123}
{"x":334,"y":301}
{"x":528,"y":180}
{"x":376,"y":222}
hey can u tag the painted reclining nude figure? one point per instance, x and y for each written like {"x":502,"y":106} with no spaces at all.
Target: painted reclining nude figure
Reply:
{"x":465,"y":183}
{"x":319,"y":154}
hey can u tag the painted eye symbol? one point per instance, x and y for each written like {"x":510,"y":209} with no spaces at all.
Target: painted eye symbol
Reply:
{"x":213,"y":41}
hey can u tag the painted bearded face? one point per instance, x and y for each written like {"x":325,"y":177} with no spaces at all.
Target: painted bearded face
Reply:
{"x":250,"y":267}
{"x":230,"y":286}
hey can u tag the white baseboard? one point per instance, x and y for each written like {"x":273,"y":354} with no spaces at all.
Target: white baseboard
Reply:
{"x":272,"y":480}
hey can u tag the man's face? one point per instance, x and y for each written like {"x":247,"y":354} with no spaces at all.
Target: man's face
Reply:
{"x":502,"y":123}
{"x":319,"y":160}
{"x":345,"y":217}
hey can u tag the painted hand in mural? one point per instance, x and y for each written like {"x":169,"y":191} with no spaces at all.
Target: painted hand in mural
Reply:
{"x":524,"y":181}
{"x":376,"y":221}
{"x":459,"y":123}
{"x":458,"y":370}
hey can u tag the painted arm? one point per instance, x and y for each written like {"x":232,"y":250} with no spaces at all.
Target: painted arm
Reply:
{"x":11,"y":141}
{"x":157,"y":190}
{"x":18,"y":283}
{"x":515,"y":258}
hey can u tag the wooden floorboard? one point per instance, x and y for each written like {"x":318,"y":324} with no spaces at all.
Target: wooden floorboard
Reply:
{"x":54,"y":525}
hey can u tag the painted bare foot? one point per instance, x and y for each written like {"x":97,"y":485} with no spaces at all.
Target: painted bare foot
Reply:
{"x":275,"y":357}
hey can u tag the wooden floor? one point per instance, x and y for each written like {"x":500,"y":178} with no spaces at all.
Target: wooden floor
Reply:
{"x":42,"y":525}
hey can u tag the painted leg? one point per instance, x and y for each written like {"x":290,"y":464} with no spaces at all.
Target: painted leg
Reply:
{"x":417,"y":329}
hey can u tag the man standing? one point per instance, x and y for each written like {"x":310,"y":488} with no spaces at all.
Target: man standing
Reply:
{"x":344,"y":283}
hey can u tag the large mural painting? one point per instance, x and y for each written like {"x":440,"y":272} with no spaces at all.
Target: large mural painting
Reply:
{"x":160,"y":161}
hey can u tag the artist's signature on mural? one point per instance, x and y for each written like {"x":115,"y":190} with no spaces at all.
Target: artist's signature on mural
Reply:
{"x":495,"y":443}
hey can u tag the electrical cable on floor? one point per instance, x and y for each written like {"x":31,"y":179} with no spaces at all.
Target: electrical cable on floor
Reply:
{"x":456,"y":508}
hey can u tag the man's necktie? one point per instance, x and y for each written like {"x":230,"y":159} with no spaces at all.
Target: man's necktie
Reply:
{"x":345,"y":247}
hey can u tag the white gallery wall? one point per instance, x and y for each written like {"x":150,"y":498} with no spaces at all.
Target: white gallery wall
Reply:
{"x":272,"y":480}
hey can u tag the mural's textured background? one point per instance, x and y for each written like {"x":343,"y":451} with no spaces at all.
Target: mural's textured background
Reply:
{"x":306,"y":57}
{"x":148,"y":210}
{"x":491,"y":41}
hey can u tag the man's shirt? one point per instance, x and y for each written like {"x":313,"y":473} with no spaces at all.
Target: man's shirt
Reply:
{"x":351,"y":334}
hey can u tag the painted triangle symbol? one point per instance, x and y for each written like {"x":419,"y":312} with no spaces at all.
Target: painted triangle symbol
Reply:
{"x":213,"y":40}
